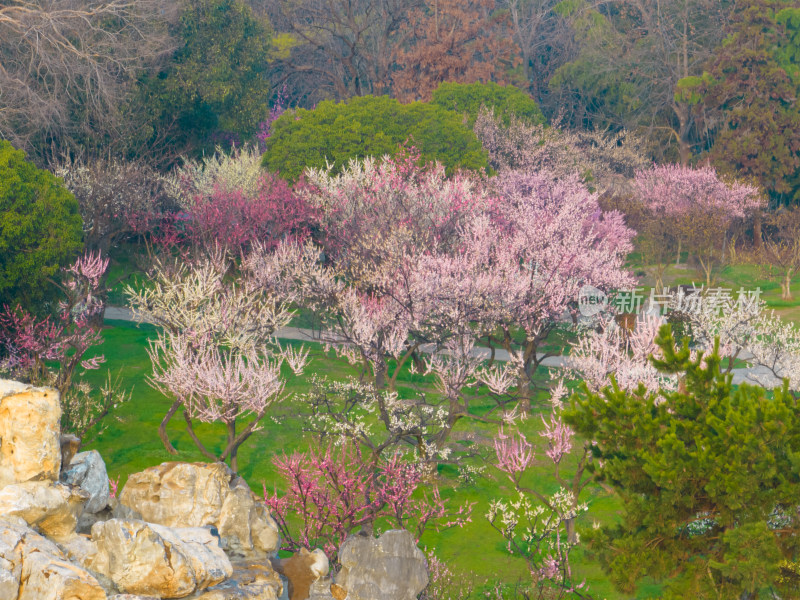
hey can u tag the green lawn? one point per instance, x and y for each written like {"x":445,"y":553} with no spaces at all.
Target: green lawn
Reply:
{"x":476,"y":552}
{"x":130,"y":443}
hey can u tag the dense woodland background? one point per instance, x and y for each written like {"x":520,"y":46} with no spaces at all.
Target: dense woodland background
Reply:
{"x":697,"y":80}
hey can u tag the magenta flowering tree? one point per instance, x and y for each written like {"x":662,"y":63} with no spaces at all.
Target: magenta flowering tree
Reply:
{"x":229,"y":201}
{"x":701,"y":206}
{"x":236,"y":219}
{"x":29,"y":341}
{"x":50,"y":350}
{"x":337,"y":491}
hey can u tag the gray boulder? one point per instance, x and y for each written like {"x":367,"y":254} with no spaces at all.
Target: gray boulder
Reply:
{"x":88,"y":471}
{"x":390,"y":567}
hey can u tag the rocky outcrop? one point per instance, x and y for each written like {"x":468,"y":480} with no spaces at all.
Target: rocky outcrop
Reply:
{"x":52,"y":508}
{"x":34,"y":568}
{"x":390,"y":567}
{"x":201,"y":494}
{"x":29,"y":433}
{"x":88,"y":471}
{"x":148,"y":559}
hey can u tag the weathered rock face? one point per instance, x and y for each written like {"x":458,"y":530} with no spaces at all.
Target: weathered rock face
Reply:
{"x":201,"y":494}
{"x":88,"y":471}
{"x":52,"y":508}
{"x":33,"y":568}
{"x":248,"y":582}
{"x":29,"y":433}
{"x":245,"y":525}
{"x":390,"y":567}
{"x":321,"y":589}
{"x":147,"y":559}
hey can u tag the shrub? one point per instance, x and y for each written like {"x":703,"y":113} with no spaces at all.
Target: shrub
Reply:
{"x":369,"y":126}
{"x":40,"y":228}
{"x":506,"y":100}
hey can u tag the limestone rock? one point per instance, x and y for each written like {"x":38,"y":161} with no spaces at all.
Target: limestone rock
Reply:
{"x":51,"y":508}
{"x":9,"y":583}
{"x":390,"y":567}
{"x":80,"y":549}
{"x":34,"y":568}
{"x":44,"y":578}
{"x":29,"y":433}
{"x":245,"y":525}
{"x":321,"y":589}
{"x":249,"y":582}
{"x":88,"y":471}
{"x":147,"y":559}
{"x":201,"y":494}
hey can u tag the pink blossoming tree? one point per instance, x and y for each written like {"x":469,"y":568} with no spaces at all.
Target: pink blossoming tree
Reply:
{"x":535,"y":525}
{"x":701,"y":206}
{"x":544,"y":241}
{"x":216,"y":353}
{"x":336,"y":492}
{"x":51,"y":350}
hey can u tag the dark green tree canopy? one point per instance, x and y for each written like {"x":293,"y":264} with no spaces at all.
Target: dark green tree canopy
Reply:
{"x":216,"y":81}
{"x":369,"y":126}
{"x":709,"y":477}
{"x":40,"y":229}
{"x":506,"y":100}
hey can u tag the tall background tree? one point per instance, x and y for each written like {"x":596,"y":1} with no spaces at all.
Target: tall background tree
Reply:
{"x":69,"y":66}
{"x":632,"y":54}
{"x":335,"y":49}
{"x":452,"y":40}
{"x":215,"y":84}
{"x":747,"y":98}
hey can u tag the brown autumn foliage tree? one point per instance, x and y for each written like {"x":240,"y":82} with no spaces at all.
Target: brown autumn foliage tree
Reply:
{"x":452,"y":40}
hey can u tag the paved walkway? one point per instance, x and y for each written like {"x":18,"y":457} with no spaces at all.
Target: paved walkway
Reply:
{"x":756,"y":375}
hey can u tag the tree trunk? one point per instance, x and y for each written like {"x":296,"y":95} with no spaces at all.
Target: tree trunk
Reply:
{"x":162,"y":428}
{"x":786,"y":286}
{"x":380,"y":375}
{"x":572,"y":535}
{"x":678,"y":258}
{"x":234,"y":448}
{"x":757,"y":241}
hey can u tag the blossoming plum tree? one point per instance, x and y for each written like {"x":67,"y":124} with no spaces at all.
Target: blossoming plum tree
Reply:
{"x":336,"y":491}
{"x":50,"y":350}
{"x":216,"y":353}
{"x":701,"y":205}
